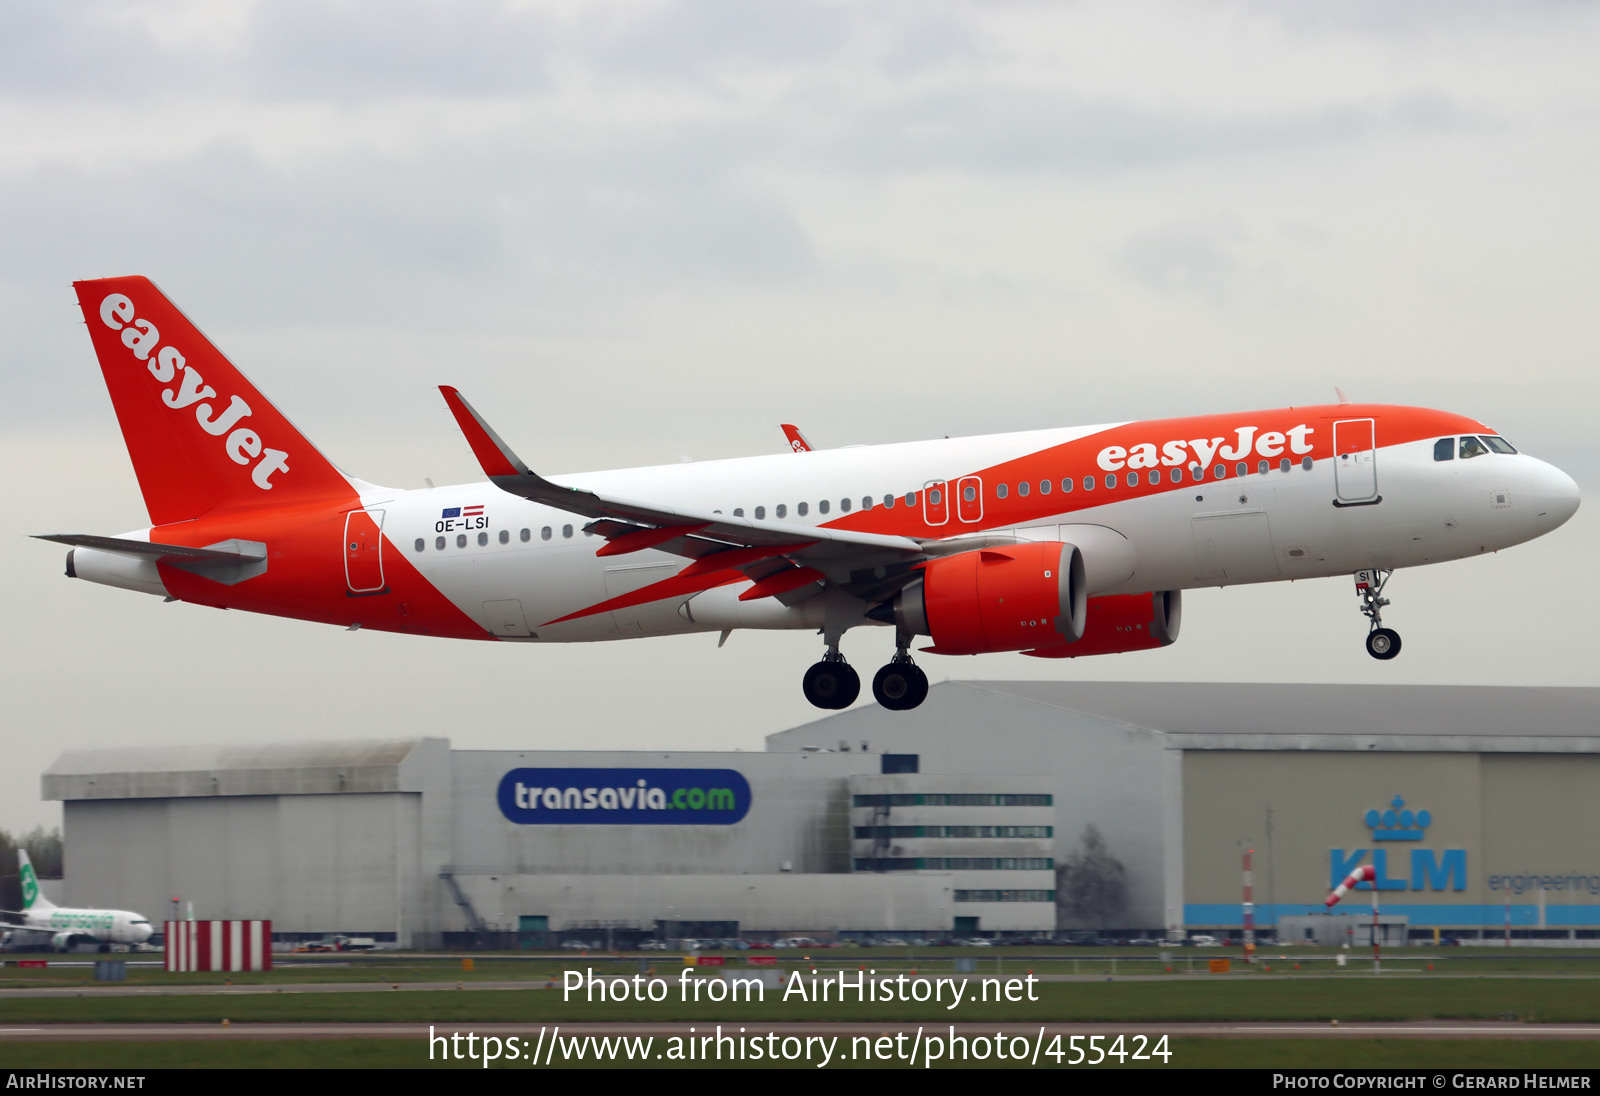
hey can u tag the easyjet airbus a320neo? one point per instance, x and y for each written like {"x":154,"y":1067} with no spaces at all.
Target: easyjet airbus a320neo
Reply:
{"x":1054,"y":543}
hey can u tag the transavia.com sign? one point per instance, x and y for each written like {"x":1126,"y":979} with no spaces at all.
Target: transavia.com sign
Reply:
{"x":610,"y":797}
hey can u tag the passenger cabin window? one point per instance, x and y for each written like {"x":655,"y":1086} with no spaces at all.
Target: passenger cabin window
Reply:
{"x":866,"y":502}
{"x":822,"y":506}
{"x":461,"y":540}
{"x":969,"y":493}
{"x":888,"y":500}
{"x":483,"y":540}
{"x":1022,"y":489}
{"x":911,"y":498}
{"x":525,"y":535}
{"x":1262,"y":467}
{"x":1066,"y":485}
{"x":1153,"y":476}
{"x":761,"y":513}
{"x":1472,"y":447}
{"x":566,"y":531}
{"x":544,"y":534}
{"x":1219,"y":471}
{"x":1177,"y":475}
{"x":505,"y":536}
{"x":1111,"y":481}
{"x":1133,"y":479}
{"x":1088,"y":483}
{"x":1044,"y":487}
{"x":781,"y":510}
{"x":439,"y":544}
{"x":844,"y":506}
{"x":1241,"y":469}
{"x":1001,"y":490}
{"x":1283,"y":465}
{"x":1305,"y":462}
{"x":738,"y":511}
{"x":421,"y":544}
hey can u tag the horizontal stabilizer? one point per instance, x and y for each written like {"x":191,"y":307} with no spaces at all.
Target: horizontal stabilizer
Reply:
{"x":173,"y":553}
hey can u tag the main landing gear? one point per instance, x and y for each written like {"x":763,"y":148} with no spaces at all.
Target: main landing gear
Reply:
{"x":1382,"y":643}
{"x":899,"y":686}
{"x":831,"y":683}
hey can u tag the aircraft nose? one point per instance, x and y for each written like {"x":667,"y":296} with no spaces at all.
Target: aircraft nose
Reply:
{"x":1556,"y":494}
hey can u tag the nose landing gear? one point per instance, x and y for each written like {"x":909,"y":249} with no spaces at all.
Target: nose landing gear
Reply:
{"x":1382,"y":643}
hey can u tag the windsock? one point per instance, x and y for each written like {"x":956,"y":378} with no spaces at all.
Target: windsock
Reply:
{"x":1364,"y":872}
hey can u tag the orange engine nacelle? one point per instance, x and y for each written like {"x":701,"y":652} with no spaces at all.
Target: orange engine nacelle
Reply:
{"x":997,"y":599}
{"x":1125,"y":622}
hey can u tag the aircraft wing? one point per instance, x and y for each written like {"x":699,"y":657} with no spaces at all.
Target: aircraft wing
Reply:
{"x":630,"y":525}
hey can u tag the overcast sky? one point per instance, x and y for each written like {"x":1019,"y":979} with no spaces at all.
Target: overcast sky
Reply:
{"x":631,"y":231}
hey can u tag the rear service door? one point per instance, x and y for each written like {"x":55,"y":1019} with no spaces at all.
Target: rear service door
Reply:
{"x":363,"y":551}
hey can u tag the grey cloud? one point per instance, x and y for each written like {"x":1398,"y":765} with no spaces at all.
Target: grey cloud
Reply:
{"x":998,"y":130}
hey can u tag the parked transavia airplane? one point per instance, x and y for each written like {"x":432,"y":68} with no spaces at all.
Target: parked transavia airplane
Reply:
{"x":1055,"y":543}
{"x":66,"y":926}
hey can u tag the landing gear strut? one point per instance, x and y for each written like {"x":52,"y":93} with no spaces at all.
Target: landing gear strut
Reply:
{"x":831,"y":683}
{"x":1382,"y":643}
{"x":901,"y":685}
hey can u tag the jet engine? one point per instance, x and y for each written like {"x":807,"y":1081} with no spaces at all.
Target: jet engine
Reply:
{"x":1124,"y":622}
{"x":1007,"y":598}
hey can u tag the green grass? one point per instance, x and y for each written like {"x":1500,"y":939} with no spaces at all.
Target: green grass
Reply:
{"x":1244,"y":999}
{"x":1186,"y":1053}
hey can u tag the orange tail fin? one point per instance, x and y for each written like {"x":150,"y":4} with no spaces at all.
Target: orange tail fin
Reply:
{"x":200,"y":434}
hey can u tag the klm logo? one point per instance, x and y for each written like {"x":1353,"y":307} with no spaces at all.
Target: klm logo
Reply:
{"x":1446,"y":870}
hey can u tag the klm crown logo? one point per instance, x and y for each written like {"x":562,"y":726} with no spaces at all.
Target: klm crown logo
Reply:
{"x":1397,"y":823}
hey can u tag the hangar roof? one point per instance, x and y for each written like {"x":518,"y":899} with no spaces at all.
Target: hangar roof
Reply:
{"x":1240,"y":716}
{"x":1180,"y":707}
{"x":289,"y":768}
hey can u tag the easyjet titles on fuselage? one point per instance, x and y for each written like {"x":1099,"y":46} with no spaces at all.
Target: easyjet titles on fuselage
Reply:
{"x":1174,"y":454}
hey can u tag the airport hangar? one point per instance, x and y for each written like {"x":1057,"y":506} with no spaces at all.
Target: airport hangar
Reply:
{"x":1474,"y":804}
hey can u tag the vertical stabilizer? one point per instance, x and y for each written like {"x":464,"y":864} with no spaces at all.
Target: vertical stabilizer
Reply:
{"x":200,"y":434}
{"x":32,"y":897}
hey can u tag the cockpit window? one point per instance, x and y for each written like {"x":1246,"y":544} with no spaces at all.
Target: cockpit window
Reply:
{"x":1444,"y":449}
{"x":1499,"y":445}
{"x":1472,"y":447}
